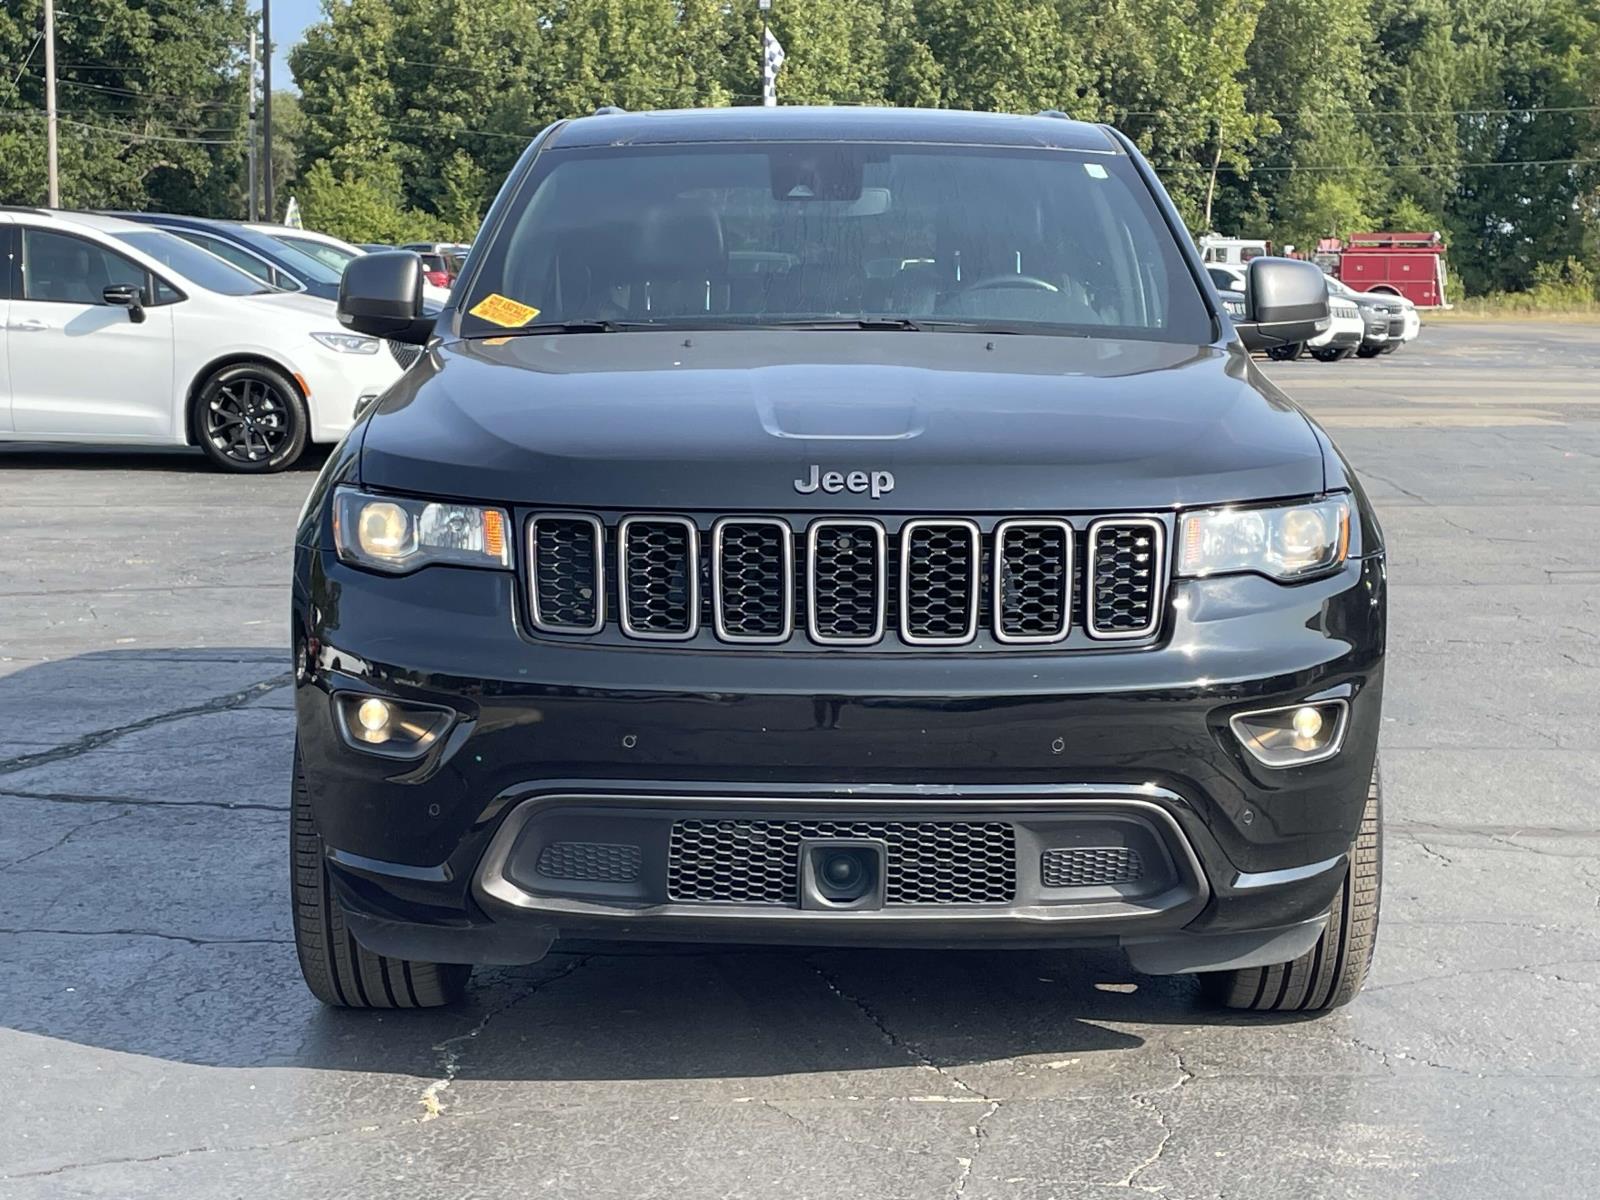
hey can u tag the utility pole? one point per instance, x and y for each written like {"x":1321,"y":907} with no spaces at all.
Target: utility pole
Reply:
{"x":51,"y":149}
{"x":250,"y":108}
{"x":266,"y":109}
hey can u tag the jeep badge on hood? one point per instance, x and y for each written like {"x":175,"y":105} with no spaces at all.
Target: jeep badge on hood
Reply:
{"x":876,"y":484}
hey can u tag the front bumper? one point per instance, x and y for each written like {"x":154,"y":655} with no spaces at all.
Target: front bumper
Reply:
{"x":341,"y":384}
{"x":439,"y":859}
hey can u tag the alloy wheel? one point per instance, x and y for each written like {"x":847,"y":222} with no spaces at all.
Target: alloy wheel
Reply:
{"x":248,"y":420}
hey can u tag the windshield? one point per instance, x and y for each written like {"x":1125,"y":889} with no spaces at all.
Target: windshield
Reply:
{"x":333,"y":257}
{"x":198,"y":266}
{"x":982,"y":238}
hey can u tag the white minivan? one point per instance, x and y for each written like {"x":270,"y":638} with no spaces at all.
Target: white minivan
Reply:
{"x":116,"y":332}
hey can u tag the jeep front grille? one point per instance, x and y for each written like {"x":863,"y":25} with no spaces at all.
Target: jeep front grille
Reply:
{"x":922,"y":582}
{"x":925,"y":862}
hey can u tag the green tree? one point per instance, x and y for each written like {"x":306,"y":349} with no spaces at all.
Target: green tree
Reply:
{"x":151,"y":97}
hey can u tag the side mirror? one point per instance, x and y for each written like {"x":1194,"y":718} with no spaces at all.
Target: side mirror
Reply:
{"x":381,"y":295}
{"x":1286,"y":301}
{"x":126,"y":295}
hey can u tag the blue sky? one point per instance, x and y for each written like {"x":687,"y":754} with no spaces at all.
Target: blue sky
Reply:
{"x":289,"y":19}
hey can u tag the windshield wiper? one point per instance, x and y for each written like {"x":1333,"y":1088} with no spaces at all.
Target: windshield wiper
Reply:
{"x":825,"y":323}
{"x":599,"y":325}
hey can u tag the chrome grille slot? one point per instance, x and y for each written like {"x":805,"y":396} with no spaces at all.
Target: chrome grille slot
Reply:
{"x":1126,"y":577}
{"x":658,"y":580}
{"x":1032,"y":581}
{"x":939,"y":586}
{"x":568,"y":576}
{"x":752,"y":579}
{"x":845,"y":598}
{"x":758,"y":861}
{"x":1091,"y":866}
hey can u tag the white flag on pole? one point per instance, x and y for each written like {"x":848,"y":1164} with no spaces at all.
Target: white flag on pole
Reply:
{"x":772,"y":57}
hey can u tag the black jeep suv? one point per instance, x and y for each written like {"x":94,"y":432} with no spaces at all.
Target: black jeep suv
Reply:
{"x":836,"y":527}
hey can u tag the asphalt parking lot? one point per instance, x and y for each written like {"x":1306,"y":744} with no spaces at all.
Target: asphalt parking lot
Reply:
{"x":155,"y":1038}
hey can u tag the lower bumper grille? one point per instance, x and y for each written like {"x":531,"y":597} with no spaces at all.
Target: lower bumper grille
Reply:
{"x":758,"y":862}
{"x":1091,"y":866}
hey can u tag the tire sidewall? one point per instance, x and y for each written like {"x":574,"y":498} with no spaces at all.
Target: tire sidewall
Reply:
{"x":299,"y":417}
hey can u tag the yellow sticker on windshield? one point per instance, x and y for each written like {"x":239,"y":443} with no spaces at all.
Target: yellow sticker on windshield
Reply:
{"x":504,"y":311}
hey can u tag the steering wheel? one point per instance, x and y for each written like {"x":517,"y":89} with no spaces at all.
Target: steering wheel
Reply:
{"x":994,"y":282}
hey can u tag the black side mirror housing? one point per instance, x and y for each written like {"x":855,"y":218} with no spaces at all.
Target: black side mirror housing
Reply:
{"x":380,"y":295}
{"x":126,"y":295}
{"x":1286,"y":301}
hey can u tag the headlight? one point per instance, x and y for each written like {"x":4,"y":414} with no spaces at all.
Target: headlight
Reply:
{"x":390,"y":533}
{"x":1286,"y":543}
{"x":348,"y":343}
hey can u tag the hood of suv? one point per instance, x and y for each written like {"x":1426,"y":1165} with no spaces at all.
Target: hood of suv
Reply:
{"x":735,"y":420}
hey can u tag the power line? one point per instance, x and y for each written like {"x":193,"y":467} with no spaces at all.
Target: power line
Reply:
{"x":135,"y":134}
{"x":129,"y":93}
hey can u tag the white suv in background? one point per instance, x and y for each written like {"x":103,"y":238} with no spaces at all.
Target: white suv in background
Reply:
{"x":115,"y":332}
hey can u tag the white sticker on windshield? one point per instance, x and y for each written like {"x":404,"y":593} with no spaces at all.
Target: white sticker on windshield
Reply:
{"x":1094,"y":170}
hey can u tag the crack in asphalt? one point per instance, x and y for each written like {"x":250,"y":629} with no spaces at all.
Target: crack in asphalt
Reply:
{"x":151,"y":933}
{"x":450,"y":1058}
{"x":100,"y":737}
{"x":167,"y":1155}
{"x":138,"y":801}
{"x":924,"y":1061}
{"x":1147,"y":1100}
{"x":64,"y":839}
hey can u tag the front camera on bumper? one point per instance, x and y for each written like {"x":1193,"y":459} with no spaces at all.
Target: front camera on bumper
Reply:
{"x":1295,"y":734}
{"x":390,"y":728}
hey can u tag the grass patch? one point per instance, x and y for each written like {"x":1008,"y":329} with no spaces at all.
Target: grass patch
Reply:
{"x":1565,"y":292}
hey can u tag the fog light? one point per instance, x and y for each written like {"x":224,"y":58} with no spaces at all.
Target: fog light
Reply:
{"x":391,"y":728}
{"x":1295,"y":734}
{"x":373,"y":714}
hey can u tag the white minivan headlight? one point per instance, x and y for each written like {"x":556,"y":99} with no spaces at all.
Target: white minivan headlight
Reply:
{"x":1284,"y":542}
{"x":398,"y":534}
{"x":348,"y":343}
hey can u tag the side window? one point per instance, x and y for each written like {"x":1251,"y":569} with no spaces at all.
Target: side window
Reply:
{"x":72,"y":270}
{"x":1222,"y":279}
{"x":248,"y":263}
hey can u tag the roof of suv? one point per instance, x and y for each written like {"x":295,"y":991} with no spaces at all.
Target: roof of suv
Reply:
{"x":797,"y":123}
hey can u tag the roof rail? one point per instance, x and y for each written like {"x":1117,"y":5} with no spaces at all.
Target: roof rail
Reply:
{"x":609,"y":110}
{"x":27,"y":208}
{"x":1053,"y":112}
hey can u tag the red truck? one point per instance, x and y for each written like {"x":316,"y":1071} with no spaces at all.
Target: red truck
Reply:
{"x":1402,"y":264}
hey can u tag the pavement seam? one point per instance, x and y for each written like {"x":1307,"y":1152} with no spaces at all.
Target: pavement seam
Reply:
{"x":100,"y":737}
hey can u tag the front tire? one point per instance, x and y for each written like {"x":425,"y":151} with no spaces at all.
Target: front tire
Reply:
{"x":250,"y":418}
{"x":1286,"y":353}
{"x":1369,"y":351}
{"x":338,"y":970}
{"x":1330,"y":354}
{"x":1333,"y":971}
